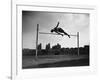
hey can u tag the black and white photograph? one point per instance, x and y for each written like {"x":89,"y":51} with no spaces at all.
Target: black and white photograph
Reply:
{"x":55,"y":39}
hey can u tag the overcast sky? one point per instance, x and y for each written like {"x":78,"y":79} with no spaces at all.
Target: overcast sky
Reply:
{"x":70,"y":22}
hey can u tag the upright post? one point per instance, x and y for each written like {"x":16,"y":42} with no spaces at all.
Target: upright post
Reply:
{"x":78,"y":42}
{"x":37,"y":39}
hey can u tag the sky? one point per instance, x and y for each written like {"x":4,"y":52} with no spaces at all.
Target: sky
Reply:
{"x":69,"y":22}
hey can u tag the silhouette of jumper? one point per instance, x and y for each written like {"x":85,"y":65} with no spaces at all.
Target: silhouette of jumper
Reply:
{"x":59,"y":31}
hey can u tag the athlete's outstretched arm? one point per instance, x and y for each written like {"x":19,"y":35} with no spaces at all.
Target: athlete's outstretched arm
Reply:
{"x":57,"y":25}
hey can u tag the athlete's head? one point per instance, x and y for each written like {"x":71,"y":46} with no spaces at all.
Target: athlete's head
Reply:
{"x":52,"y":30}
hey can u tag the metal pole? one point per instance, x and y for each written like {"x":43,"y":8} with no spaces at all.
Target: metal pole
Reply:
{"x":37,"y":39}
{"x":78,"y":42}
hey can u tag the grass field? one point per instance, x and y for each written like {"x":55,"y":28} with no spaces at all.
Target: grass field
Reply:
{"x":54,"y":61}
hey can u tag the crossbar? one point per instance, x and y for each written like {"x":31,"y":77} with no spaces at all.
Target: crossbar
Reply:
{"x":54,"y":33}
{"x":48,"y":33}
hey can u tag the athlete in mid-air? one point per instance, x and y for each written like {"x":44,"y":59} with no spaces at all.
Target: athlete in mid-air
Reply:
{"x":59,"y":31}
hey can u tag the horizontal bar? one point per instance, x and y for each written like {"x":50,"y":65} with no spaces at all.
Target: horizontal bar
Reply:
{"x":48,"y":33}
{"x":53,"y":33}
{"x":72,"y":35}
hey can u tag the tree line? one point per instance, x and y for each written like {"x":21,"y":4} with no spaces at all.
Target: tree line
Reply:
{"x":55,"y":50}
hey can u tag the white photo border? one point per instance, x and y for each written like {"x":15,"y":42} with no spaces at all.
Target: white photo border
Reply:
{"x":17,"y":71}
